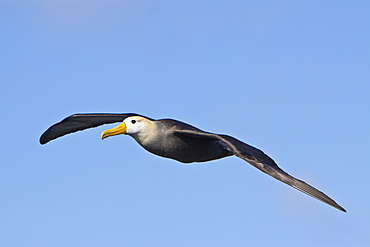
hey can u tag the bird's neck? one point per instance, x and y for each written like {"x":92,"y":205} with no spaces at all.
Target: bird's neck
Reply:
{"x":146,"y":135}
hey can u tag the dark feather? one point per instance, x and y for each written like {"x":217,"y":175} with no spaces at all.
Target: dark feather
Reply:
{"x":78,"y":122}
{"x":261,"y":161}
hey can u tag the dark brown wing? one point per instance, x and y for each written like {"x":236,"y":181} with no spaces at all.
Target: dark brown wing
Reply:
{"x":78,"y":122}
{"x":260,"y":160}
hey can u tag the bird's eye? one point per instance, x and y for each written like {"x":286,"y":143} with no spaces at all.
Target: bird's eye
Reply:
{"x":133,"y":121}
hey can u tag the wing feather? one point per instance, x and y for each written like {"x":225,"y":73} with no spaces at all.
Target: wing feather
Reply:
{"x":77,"y":122}
{"x":261,"y":161}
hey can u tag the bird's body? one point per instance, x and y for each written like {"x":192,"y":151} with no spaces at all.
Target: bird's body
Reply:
{"x":163,"y":141}
{"x":182,"y":142}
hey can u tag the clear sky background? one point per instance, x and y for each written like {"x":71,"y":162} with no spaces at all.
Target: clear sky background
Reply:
{"x":289,"y":77}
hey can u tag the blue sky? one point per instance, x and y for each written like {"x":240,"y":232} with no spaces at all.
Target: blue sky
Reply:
{"x":288,"y":77}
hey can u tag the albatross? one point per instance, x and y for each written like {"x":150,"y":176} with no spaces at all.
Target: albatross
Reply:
{"x":182,"y":142}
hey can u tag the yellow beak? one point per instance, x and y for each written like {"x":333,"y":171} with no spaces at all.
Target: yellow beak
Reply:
{"x":120,"y":129}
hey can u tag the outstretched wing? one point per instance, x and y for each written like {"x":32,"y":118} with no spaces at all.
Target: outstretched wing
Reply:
{"x":78,"y":122}
{"x":260,"y":160}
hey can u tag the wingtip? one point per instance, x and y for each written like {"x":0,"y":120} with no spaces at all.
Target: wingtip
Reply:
{"x":43,"y":139}
{"x":342,"y":209}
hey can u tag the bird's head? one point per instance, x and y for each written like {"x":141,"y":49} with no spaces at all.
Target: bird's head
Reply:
{"x":135,"y":126}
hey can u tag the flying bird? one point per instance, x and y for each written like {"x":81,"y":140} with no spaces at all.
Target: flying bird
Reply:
{"x":182,"y":142}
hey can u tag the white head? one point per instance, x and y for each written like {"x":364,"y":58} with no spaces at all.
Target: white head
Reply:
{"x":135,"y":126}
